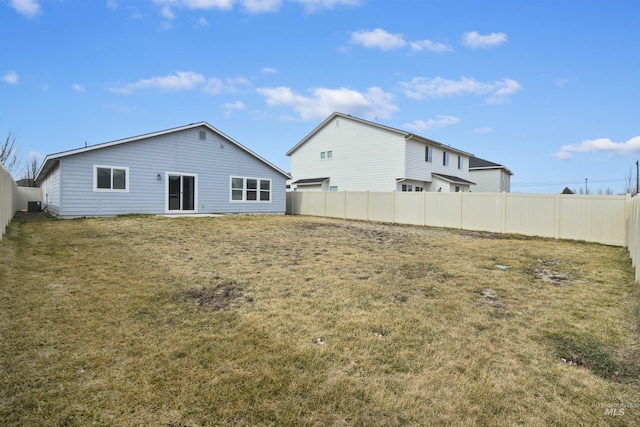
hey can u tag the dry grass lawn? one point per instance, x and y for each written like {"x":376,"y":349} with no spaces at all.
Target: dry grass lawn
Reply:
{"x":302,"y":321}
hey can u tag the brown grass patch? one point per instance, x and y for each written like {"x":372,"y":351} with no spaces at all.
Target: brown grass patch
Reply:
{"x":261,"y":320}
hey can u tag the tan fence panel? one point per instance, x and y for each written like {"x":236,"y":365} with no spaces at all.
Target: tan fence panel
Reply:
{"x":356,"y":206}
{"x":443,"y":210}
{"x":382,"y":206}
{"x":316,"y":203}
{"x":336,"y":204}
{"x":483,"y":211}
{"x":8,"y":199}
{"x":633,"y":234}
{"x":532,"y":214}
{"x":26,"y":195}
{"x":410,"y":208}
{"x":599,"y":219}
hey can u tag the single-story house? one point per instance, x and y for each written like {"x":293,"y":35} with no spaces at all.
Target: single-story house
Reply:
{"x":346,"y":153}
{"x":188,"y":169}
{"x":489,"y":177}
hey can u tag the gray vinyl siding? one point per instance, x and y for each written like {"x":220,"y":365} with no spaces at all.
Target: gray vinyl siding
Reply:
{"x":51,"y":191}
{"x":213,"y":160}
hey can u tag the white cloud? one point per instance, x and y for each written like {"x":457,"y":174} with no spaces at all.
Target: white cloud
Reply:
{"x":423,"y":88}
{"x":26,"y":7}
{"x":317,"y":5}
{"x":233,"y":106}
{"x":261,"y":6}
{"x":35,"y":155}
{"x":201,"y":23}
{"x":477,"y":41}
{"x":112,"y":4}
{"x":215,"y":86}
{"x":372,"y":104}
{"x":429,"y":46}
{"x":268,"y":70}
{"x":439,"y":122}
{"x":378,"y":38}
{"x":78,"y":87}
{"x":197,"y":4}
{"x":182,"y":80}
{"x":167,"y":13}
{"x":606,"y":145}
{"x":120,"y":108}
{"x":11,"y":77}
{"x":561,"y":82}
{"x":483,"y":131}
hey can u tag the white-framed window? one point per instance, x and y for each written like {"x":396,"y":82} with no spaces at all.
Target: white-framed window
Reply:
{"x":333,"y":188}
{"x":445,"y":158}
{"x":250,"y":189}
{"x":457,"y":189}
{"x":460,"y":162}
{"x":110,"y":178}
{"x":323,"y":155}
{"x":329,"y":154}
{"x":428,"y":154}
{"x":407,"y":187}
{"x":419,"y":189}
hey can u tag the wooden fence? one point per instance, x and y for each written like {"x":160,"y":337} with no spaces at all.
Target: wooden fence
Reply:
{"x":601,"y":219}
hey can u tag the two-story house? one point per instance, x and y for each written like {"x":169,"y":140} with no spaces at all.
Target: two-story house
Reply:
{"x":489,"y":176}
{"x":352,"y":154}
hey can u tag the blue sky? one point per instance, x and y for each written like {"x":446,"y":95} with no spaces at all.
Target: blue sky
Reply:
{"x":548,"y":88}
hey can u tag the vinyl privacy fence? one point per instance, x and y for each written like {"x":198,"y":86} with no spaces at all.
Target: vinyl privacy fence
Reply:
{"x":8,"y":199}
{"x":610,"y":220}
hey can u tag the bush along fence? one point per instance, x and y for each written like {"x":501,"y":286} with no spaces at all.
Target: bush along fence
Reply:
{"x":602,"y":219}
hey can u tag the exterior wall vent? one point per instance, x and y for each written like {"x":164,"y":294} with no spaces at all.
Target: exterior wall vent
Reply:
{"x":203,"y":135}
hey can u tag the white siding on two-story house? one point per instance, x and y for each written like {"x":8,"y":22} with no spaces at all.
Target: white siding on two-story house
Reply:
{"x":419,"y":170}
{"x":51,"y":191}
{"x":352,"y":154}
{"x":362,"y":158}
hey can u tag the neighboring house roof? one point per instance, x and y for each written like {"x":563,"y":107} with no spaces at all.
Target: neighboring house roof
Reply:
{"x":50,"y":160}
{"x":476,"y":163}
{"x":567,"y":191}
{"x":310,"y":181}
{"x":407,"y":135}
{"x":454,"y":179}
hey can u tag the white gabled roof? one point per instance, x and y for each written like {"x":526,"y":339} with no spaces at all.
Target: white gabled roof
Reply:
{"x":406,"y":135}
{"x":50,"y":159}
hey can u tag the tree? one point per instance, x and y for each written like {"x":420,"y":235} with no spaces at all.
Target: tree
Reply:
{"x":30,"y":171}
{"x":629,"y":183}
{"x":9,"y":155}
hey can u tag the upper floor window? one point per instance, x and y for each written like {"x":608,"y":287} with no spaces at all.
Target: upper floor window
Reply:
{"x":326,"y":155}
{"x":445,"y":158}
{"x":428,"y":154}
{"x":110,"y":178}
{"x":460,"y":162}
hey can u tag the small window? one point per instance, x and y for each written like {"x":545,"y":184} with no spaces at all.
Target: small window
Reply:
{"x":445,"y":158}
{"x":203,"y":135}
{"x":323,"y":155}
{"x":419,"y":189}
{"x":457,"y":189}
{"x":109,"y":178}
{"x":333,"y":188}
{"x":428,"y":154}
{"x":407,"y":187}
{"x":460,"y":162}
{"x":329,"y":154}
{"x":250,"y":189}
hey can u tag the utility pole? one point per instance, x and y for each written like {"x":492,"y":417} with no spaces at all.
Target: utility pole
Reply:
{"x":586,"y":189}
{"x":637,"y":178}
